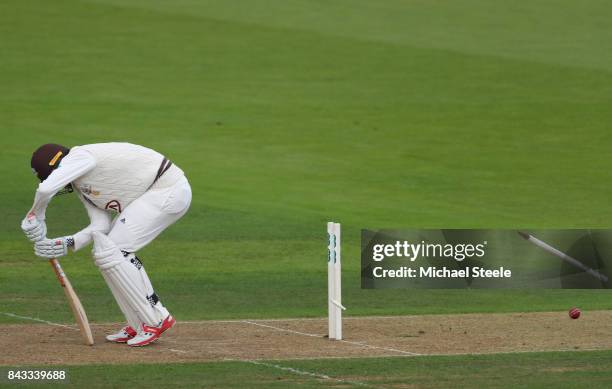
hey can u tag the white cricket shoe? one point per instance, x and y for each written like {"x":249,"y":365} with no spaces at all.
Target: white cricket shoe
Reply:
{"x":124,"y":334}
{"x":149,"y":334}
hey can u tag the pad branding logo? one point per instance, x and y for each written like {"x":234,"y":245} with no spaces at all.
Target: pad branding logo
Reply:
{"x":114,"y":205}
{"x":413,"y":251}
{"x":136,"y":262}
{"x":88,"y":190}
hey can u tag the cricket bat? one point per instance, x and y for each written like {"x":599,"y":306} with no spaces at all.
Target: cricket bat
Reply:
{"x":75,"y":303}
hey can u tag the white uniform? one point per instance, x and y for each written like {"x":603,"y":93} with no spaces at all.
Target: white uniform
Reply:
{"x":146,"y":191}
{"x":109,"y":177}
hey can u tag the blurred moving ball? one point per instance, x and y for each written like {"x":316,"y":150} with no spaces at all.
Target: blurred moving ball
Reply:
{"x":574,"y":313}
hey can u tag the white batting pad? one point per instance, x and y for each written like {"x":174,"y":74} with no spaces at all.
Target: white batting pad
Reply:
{"x":128,"y":282}
{"x":130,"y":315}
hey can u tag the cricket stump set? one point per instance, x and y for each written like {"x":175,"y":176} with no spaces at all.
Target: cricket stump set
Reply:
{"x":334,"y":282}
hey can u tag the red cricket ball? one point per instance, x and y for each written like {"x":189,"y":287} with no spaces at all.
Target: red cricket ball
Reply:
{"x":574,"y":313}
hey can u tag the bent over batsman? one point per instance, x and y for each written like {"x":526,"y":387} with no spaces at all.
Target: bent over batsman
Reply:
{"x":131,"y":194}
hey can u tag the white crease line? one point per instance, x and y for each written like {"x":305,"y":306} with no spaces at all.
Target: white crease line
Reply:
{"x":344,"y":341}
{"x":380,"y":347}
{"x":178,"y":351}
{"x":39,"y":320}
{"x":303,"y":372}
{"x":238,"y":321}
{"x":281,"y":329}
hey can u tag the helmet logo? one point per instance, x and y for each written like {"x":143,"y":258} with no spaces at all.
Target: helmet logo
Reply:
{"x":55,"y":158}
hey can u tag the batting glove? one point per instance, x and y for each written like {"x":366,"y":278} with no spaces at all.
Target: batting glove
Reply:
{"x":34,"y":229}
{"x":53,"y":248}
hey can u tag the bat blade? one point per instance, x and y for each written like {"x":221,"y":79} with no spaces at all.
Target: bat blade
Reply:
{"x":75,"y":304}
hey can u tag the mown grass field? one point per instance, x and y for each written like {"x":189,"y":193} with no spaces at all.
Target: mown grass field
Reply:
{"x":538,"y":370}
{"x":286,"y":114}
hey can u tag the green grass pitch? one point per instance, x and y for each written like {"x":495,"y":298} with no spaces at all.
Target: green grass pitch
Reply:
{"x":287,"y":114}
{"x":562,"y":370}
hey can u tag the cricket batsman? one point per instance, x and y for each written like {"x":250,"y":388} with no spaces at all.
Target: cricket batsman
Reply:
{"x":145,"y":193}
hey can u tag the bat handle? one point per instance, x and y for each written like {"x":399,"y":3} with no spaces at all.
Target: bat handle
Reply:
{"x":59,"y":272}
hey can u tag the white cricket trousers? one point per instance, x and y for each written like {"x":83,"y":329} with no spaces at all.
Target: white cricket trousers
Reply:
{"x":139,"y":223}
{"x":149,"y":215}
